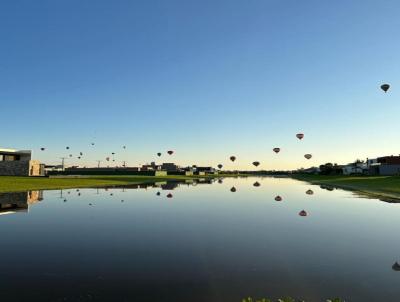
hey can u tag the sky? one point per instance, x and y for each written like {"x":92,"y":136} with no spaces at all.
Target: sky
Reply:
{"x":207,"y":79}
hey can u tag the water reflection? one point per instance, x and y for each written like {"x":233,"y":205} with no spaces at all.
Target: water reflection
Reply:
{"x":18,"y":202}
{"x":204,"y":244}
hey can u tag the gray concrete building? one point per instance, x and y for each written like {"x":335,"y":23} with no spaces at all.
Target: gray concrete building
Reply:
{"x":19,"y":163}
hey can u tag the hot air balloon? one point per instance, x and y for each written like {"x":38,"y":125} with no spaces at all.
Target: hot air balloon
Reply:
{"x":79,"y":157}
{"x":170,"y":152}
{"x":308,"y":156}
{"x":256,"y":184}
{"x":278,"y":198}
{"x":67,"y":148}
{"x":169,"y":195}
{"x":396,"y":267}
{"x":310,"y":192}
{"x":158,"y":154}
{"x":385,"y":87}
{"x":80,"y":153}
{"x":113,"y":153}
{"x":42,"y":149}
{"x":158,"y":193}
{"x":70,"y":155}
{"x":233,"y":189}
{"x":220,"y":166}
{"x":107,"y":159}
{"x":124,"y":147}
{"x":92,"y":144}
{"x":232,"y":158}
{"x":256,"y":163}
{"x":303,"y":213}
{"x":300,"y":136}
{"x":276,"y":150}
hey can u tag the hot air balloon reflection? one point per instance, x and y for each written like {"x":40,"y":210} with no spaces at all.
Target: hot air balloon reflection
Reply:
{"x":220,"y":181}
{"x":170,"y":195}
{"x":256,"y":184}
{"x":170,"y":152}
{"x":310,"y":192}
{"x":385,"y":87}
{"x":278,"y":198}
{"x":256,"y":163}
{"x":158,"y":193}
{"x":396,"y":267}
{"x":303,"y":213}
{"x":276,"y":150}
{"x":232,"y":158}
{"x":233,"y":189}
{"x":308,"y":156}
{"x":300,"y":136}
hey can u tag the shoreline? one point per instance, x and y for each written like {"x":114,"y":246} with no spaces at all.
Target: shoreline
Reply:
{"x":385,"y":188}
{"x":12,"y":184}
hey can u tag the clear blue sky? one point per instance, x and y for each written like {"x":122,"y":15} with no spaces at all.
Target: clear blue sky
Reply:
{"x":207,"y":79}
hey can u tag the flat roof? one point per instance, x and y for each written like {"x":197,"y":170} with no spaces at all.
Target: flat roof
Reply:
{"x":3,"y":150}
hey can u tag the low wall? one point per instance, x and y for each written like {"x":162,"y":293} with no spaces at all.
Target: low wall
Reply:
{"x":14,"y":168}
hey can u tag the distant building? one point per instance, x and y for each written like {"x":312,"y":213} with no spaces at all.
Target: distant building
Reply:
{"x":387,"y":165}
{"x":169,"y":167}
{"x":355,"y":168}
{"x":19,"y":163}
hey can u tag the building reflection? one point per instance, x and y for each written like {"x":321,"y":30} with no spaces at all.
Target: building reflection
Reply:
{"x":18,"y":201}
{"x":168,"y":185}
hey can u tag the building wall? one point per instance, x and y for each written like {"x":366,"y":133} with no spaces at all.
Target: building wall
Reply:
{"x":389,"y":169}
{"x":21,"y":168}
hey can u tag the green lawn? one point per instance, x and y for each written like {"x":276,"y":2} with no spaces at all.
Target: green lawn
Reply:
{"x":379,"y":186}
{"x":15,"y":184}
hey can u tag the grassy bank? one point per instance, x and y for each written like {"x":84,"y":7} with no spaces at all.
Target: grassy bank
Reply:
{"x":15,"y":184}
{"x":383,"y":187}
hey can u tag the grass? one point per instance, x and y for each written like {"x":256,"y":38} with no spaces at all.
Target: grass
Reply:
{"x":384,"y":187}
{"x":16,"y":184}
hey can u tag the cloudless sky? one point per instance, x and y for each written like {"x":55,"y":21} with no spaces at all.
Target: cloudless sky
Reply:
{"x":208,"y":79}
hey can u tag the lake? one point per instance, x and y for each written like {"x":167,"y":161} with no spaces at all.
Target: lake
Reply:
{"x":201,"y":243}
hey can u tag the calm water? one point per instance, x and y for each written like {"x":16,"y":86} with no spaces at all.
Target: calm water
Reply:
{"x":205,"y":243}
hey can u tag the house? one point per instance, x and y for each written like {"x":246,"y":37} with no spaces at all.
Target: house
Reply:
{"x":355,"y":168}
{"x":169,"y":167}
{"x":19,"y":163}
{"x":388,"y":165}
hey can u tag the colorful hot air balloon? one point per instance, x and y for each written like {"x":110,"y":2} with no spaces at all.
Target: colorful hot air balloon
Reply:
{"x":303,"y":213}
{"x":278,"y":198}
{"x":308,"y":156}
{"x":232,"y":158}
{"x":220,"y":166}
{"x":300,"y":136}
{"x":159,"y":154}
{"x":276,"y":150}
{"x":256,"y":163}
{"x":385,"y":87}
{"x":170,"y":195}
{"x":233,"y":189}
{"x":170,"y":152}
{"x":256,"y":184}
{"x":310,"y":192}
